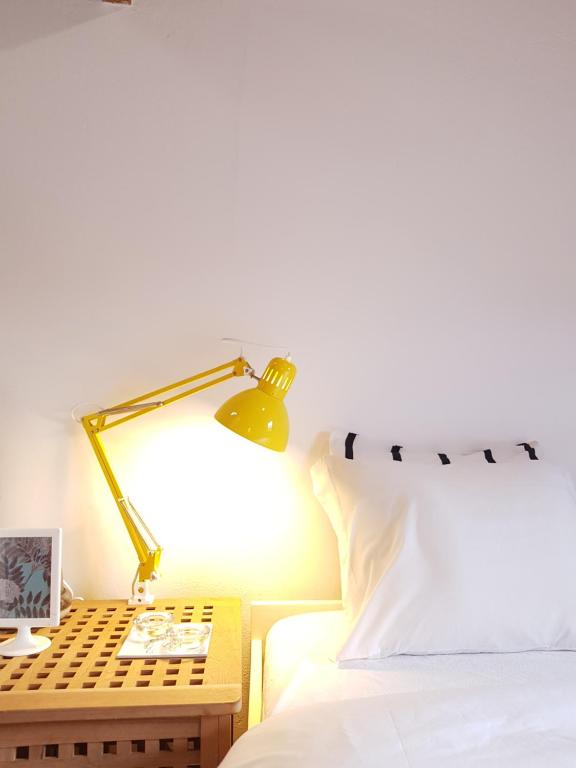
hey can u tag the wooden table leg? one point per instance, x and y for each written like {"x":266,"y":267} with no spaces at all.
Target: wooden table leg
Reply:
{"x":209,"y":733}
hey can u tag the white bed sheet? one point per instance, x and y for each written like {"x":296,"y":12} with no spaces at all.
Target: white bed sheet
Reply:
{"x":300,"y":667}
{"x":514,"y":710}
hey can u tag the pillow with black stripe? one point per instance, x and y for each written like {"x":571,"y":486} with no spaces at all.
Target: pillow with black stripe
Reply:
{"x":475,"y":557}
{"x":351,"y":445}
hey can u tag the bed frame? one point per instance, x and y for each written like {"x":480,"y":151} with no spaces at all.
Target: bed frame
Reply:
{"x":265,"y":613}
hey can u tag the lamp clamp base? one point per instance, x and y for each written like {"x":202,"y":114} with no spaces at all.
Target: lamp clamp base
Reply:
{"x":141,"y":594}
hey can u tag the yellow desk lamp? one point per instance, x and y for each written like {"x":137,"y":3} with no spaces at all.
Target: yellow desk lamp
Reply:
{"x":258,"y":414}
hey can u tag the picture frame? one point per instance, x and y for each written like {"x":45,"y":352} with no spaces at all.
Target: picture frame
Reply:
{"x":30,"y":586}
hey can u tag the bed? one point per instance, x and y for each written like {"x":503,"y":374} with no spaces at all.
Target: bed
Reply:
{"x":455,"y":643}
{"x":512,"y":710}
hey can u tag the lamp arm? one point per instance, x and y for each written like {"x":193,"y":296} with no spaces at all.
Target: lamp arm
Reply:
{"x":147,"y":548}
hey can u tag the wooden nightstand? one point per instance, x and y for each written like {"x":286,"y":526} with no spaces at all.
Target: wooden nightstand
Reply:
{"x":77,"y":705}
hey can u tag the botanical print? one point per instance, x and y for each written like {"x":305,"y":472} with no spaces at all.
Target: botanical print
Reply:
{"x":25,"y":566}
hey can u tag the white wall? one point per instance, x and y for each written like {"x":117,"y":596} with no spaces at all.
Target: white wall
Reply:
{"x":386,"y":187}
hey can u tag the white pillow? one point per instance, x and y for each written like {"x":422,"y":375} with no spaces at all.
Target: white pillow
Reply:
{"x":351,"y":445}
{"x":469,"y":557}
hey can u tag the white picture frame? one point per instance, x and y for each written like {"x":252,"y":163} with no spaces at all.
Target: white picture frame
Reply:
{"x":30,"y":585}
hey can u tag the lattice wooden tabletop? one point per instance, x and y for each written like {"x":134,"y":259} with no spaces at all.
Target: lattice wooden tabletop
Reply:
{"x":80,"y":671}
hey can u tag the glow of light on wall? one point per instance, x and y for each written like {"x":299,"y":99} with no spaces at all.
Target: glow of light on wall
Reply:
{"x":218,"y":504}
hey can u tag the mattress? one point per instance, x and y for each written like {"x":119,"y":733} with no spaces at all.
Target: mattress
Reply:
{"x":300,"y":667}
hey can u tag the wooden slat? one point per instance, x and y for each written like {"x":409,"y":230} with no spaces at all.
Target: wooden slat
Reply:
{"x":7,"y":754}
{"x":52,"y":733}
{"x":224,"y":736}
{"x":124,"y":749}
{"x":36,"y":752}
{"x":65,"y":752}
{"x":256,"y":682}
{"x":95,"y":752}
{"x":209,"y":734}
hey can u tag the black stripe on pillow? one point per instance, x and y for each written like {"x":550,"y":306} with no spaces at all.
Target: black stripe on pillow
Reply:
{"x":349,"y":445}
{"x":444,"y":459}
{"x":530,"y":450}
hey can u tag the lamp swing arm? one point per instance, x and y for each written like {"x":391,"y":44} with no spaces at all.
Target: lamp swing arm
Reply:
{"x":147,"y":548}
{"x":149,"y":552}
{"x":137,"y":406}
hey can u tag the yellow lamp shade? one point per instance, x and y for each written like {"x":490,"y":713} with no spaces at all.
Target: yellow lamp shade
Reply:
{"x":259,"y":414}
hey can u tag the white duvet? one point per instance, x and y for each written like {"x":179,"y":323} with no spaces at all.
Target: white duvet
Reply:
{"x":462,"y":711}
